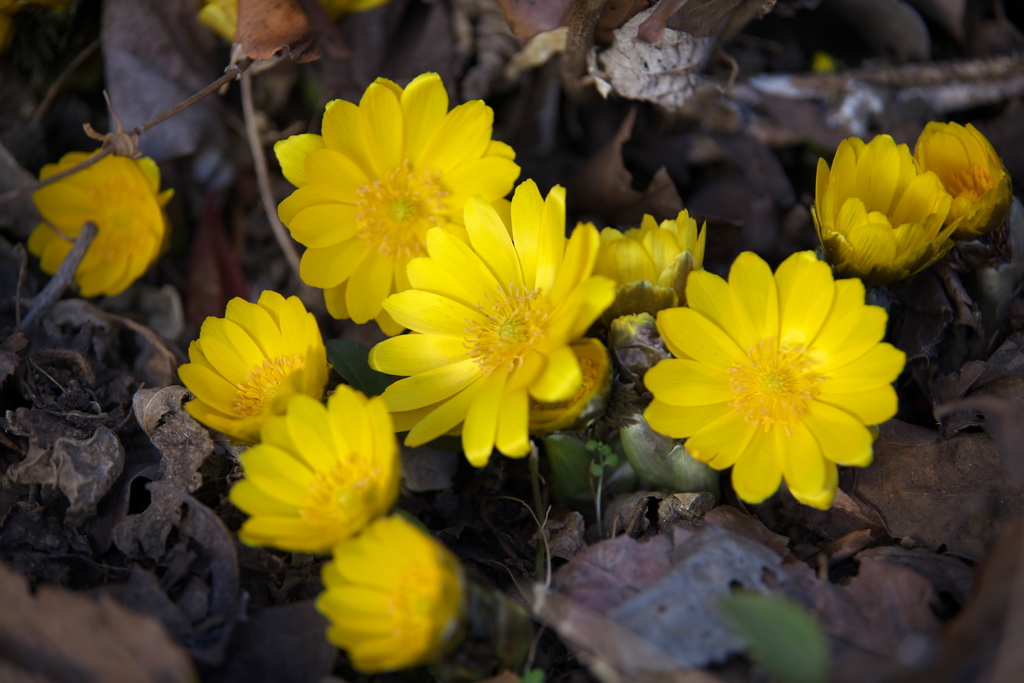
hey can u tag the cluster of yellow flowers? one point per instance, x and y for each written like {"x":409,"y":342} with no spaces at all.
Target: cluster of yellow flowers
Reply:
{"x":400,"y":203}
{"x":883,"y":215}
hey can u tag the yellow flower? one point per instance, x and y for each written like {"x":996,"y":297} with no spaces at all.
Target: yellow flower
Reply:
{"x":394,"y":597}
{"x":775,"y":376}
{"x":122,"y":197}
{"x":878,"y":217}
{"x":221,"y":16}
{"x":493,"y":322}
{"x":971,"y":171}
{"x":382,"y":174}
{"x":589,"y":398}
{"x":319,"y":474}
{"x":662,"y":254}
{"x":247,"y":365}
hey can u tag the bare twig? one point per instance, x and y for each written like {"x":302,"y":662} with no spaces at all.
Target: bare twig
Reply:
{"x":58,"y":83}
{"x":582,"y":21}
{"x":230,"y":74}
{"x":263,"y":177}
{"x":62,"y":279}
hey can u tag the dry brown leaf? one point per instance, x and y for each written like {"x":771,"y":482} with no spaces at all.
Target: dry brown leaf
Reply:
{"x":604,"y":186}
{"x":953,"y":492}
{"x":81,"y":459}
{"x":55,"y":635}
{"x":268,"y":26}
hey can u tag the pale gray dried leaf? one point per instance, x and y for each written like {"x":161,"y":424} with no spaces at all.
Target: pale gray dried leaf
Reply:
{"x":183,"y":444}
{"x":20,"y":215}
{"x":55,"y":635}
{"x":679,"y":613}
{"x":665,"y":72}
{"x":150,"y":405}
{"x":82,"y":460}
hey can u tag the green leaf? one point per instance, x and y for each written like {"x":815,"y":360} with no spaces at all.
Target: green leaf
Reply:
{"x":350,"y":361}
{"x":596,"y":470}
{"x":782,"y":634}
{"x":592,"y":445}
{"x":534,"y":676}
{"x":611,"y":459}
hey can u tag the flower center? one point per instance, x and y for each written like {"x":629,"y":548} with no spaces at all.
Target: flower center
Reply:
{"x":413,"y":602}
{"x":515,"y":323}
{"x":261,"y":384}
{"x":972,"y":183}
{"x":340,"y":498}
{"x":394,"y":213}
{"x":774,"y":386}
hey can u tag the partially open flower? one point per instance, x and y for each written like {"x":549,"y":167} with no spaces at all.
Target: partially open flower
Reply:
{"x":878,"y":217}
{"x":650,"y":264}
{"x":221,"y":16}
{"x":248,"y":365}
{"x":394,"y":597}
{"x":589,"y":399}
{"x":492,"y":324}
{"x":319,"y":474}
{"x":775,"y":376}
{"x":971,"y":171}
{"x":382,"y":174}
{"x":122,"y":197}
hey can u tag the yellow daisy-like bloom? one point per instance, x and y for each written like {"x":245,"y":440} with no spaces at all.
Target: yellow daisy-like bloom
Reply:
{"x":221,"y":16}
{"x":122,"y":197}
{"x":383,"y":174}
{"x":775,"y":376}
{"x":394,"y":597}
{"x":249,"y":364}
{"x":878,"y":217}
{"x":588,"y":399}
{"x":319,"y":474}
{"x":661,"y":254}
{"x":971,"y":171}
{"x":493,"y":321}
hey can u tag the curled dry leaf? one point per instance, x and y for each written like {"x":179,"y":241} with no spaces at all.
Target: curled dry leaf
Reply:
{"x":268,"y":26}
{"x":183,"y":444}
{"x":150,"y":405}
{"x":81,"y":459}
{"x":55,"y":635}
{"x":665,"y":72}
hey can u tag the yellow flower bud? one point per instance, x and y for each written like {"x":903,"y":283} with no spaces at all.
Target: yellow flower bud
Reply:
{"x":878,"y":216}
{"x":971,"y":172}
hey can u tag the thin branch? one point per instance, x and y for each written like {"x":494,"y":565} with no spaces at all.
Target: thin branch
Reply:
{"x":263,"y":177}
{"x":230,"y":74}
{"x":63,"y":278}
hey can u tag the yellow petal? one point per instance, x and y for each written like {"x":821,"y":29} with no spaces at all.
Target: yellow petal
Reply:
{"x":331,"y":265}
{"x":842,"y":437}
{"x":464,"y":134}
{"x":383,"y":128}
{"x":374,"y":274}
{"x":757,"y":474}
{"x":722,"y":442}
{"x":324,"y":224}
{"x":560,"y":379}
{"x":292,"y":154}
{"x":432,"y":314}
{"x":424,"y":105}
{"x":687,"y":383}
{"x":413,"y":353}
{"x":429,"y":386}
{"x":513,"y":438}
{"x":806,"y":291}
{"x":492,"y":242}
{"x":445,"y":417}
{"x":688,"y":334}
{"x":680,"y":423}
{"x":755,"y":299}
{"x":342,"y":129}
{"x":481,"y":427}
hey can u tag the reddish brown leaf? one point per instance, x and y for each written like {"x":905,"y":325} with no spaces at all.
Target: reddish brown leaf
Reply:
{"x":267,"y":26}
